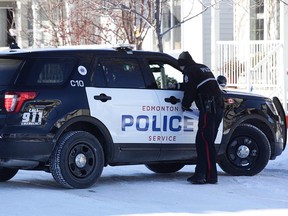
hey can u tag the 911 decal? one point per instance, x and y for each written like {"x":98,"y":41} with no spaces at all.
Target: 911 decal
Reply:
{"x":32,"y":117}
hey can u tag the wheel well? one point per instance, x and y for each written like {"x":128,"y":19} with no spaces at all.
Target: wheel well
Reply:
{"x":264,"y":128}
{"x":96,"y":130}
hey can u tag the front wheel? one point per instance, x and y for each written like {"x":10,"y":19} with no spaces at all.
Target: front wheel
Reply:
{"x":247,"y":153}
{"x":77,"y":160}
{"x":7,"y":173}
{"x":165,"y":167}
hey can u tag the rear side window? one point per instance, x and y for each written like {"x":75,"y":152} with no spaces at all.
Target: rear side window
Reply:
{"x":48,"y":71}
{"x":8,"y":68}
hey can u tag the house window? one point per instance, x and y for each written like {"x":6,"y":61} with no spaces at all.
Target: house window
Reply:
{"x":264,"y":19}
{"x":257,"y":20}
{"x":172,"y":17}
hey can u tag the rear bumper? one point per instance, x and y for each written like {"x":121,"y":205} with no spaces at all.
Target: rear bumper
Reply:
{"x":26,"y":149}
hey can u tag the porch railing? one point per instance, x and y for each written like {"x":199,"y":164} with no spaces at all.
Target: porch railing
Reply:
{"x":253,"y":66}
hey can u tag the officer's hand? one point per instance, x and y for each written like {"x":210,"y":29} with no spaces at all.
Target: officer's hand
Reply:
{"x":172,"y":86}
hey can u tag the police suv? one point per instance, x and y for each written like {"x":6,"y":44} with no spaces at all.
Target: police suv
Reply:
{"x":72,"y":112}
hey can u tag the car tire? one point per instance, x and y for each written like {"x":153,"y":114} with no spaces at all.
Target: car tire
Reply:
{"x":77,"y":160}
{"x":7,"y":173}
{"x":247,"y":152}
{"x":165,"y":167}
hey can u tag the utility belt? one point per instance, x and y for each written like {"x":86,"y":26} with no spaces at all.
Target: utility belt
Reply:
{"x":209,"y":104}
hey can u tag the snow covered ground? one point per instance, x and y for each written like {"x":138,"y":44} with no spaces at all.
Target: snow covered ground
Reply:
{"x":134,"y":190}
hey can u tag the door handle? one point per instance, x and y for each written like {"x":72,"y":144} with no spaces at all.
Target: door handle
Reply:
{"x":102,"y":97}
{"x":173,"y":100}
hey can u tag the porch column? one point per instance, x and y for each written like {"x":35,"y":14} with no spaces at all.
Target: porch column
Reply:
{"x":284,"y":41}
{"x":3,"y":27}
{"x":22,"y":24}
{"x":214,"y":35}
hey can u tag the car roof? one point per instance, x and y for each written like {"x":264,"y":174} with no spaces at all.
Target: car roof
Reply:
{"x":88,"y":48}
{"x":94,"y":49}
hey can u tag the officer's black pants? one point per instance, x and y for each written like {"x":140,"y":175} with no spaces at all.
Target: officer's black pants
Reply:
{"x":206,"y":153}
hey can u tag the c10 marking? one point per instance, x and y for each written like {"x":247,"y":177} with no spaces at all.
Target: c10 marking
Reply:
{"x":32,"y":118}
{"x":77,"y":83}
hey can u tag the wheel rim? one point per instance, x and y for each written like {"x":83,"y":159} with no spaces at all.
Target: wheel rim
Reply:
{"x":243,"y":152}
{"x":81,"y":160}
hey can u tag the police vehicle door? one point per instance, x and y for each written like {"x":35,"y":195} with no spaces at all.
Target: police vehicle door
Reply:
{"x":178,"y":132}
{"x":129,"y":111}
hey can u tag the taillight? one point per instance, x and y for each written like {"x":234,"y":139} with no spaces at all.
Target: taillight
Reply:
{"x":14,"y":100}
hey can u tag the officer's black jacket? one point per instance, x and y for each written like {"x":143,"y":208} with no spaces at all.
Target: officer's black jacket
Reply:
{"x":198,"y":80}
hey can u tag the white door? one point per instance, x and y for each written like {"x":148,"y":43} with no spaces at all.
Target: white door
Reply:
{"x":131,"y":115}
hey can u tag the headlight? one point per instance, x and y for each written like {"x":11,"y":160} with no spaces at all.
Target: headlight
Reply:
{"x":271,"y":106}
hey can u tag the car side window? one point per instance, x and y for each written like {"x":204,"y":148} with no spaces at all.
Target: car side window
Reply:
{"x":165,"y":74}
{"x":8,"y":69}
{"x":120,"y":72}
{"x":47,"y":71}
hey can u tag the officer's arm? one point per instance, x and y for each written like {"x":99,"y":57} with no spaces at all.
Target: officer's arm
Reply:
{"x":190,"y":91}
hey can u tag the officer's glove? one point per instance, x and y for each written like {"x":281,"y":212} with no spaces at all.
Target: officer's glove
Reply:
{"x":186,"y":109}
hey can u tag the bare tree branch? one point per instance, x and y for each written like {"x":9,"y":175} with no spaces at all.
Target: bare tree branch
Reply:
{"x":284,"y":2}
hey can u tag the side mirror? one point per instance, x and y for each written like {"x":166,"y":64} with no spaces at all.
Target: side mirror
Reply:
{"x":222,"y":81}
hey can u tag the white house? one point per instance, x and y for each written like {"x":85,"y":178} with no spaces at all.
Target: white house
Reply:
{"x":256,"y":59}
{"x":243,"y":39}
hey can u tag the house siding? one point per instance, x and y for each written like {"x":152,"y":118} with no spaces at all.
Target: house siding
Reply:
{"x":207,"y":38}
{"x":226,"y":21}
{"x":224,"y":24}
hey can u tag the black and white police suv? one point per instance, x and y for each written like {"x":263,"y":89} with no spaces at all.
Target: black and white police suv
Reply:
{"x":72,"y":112}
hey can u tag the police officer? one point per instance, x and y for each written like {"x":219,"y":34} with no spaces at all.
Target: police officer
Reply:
{"x":200,"y":85}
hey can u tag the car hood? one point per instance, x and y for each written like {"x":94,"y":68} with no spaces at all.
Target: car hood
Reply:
{"x":239,"y":94}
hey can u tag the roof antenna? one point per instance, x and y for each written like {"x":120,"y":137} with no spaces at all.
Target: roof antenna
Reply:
{"x":124,"y":47}
{"x":14,"y":45}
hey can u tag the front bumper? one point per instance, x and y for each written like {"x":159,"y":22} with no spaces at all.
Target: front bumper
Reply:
{"x":278,"y":149}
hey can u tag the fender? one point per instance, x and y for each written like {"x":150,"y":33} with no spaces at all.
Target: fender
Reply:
{"x":244,"y":119}
{"x":91,"y":125}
